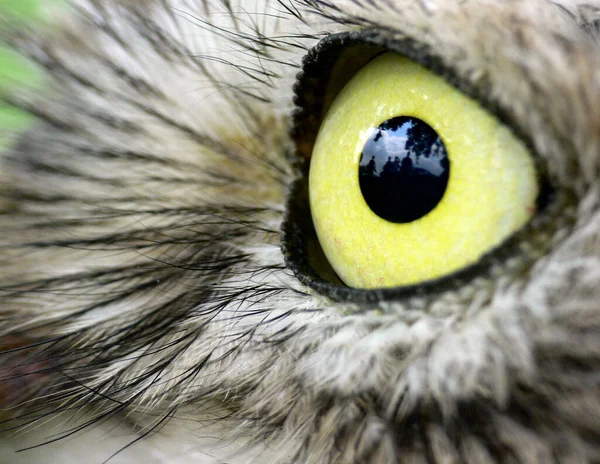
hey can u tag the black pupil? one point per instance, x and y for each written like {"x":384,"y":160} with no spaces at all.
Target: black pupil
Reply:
{"x":403,"y":170}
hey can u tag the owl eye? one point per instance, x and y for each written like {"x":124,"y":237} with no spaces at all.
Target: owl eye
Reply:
{"x":407,"y":181}
{"x":411,"y":180}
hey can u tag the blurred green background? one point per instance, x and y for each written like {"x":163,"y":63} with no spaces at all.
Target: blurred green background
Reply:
{"x":15,"y":71}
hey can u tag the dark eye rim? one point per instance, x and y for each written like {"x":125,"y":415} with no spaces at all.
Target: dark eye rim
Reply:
{"x":312,"y":85}
{"x":297,"y":230}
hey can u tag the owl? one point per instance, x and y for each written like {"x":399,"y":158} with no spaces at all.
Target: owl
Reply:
{"x":301,"y":231}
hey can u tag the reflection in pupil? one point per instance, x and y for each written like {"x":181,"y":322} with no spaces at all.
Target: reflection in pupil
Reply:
{"x":403,"y":170}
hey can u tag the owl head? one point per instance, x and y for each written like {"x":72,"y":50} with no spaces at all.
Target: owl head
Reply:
{"x":302,"y":231}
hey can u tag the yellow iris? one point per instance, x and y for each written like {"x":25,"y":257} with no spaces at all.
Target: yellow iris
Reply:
{"x":491,"y":191}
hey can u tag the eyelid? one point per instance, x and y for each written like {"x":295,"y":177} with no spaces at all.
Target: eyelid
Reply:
{"x":339,"y":56}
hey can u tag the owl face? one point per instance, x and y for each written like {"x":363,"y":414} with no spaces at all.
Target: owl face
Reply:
{"x":164,"y":271}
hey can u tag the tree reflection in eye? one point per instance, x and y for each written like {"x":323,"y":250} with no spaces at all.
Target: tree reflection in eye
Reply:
{"x":404,"y":169}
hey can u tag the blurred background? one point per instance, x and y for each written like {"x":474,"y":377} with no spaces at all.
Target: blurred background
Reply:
{"x":15,"y":16}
